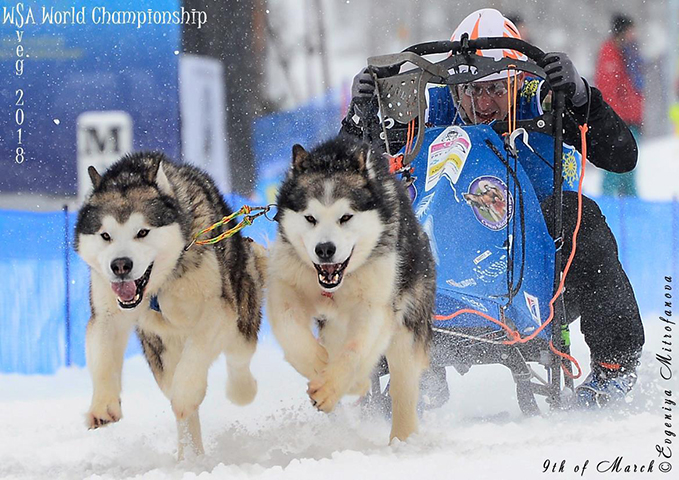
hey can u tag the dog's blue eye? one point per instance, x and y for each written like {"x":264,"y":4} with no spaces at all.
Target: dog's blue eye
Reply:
{"x":142,"y":233}
{"x":345,"y":218}
{"x":106,"y":236}
{"x":310,"y":219}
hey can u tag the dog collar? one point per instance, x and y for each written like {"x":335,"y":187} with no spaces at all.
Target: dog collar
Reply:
{"x":327,"y":294}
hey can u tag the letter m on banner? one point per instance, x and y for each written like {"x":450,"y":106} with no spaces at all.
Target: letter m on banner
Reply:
{"x":103,"y":137}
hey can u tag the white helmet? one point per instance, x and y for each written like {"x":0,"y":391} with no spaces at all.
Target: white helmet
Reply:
{"x":488,"y":22}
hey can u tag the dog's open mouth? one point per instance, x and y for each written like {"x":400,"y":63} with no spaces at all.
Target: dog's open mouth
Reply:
{"x":330,"y":274}
{"x":131,"y":293}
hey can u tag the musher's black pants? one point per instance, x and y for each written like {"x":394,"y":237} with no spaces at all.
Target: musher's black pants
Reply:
{"x":597,"y":288}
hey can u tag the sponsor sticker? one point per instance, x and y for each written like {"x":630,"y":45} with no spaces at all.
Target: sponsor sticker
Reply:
{"x":490,"y":272}
{"x":475,"y":303}
{"x":482,"y":257}
{"x":492,"y":204}
{"x":533,"y":307}
{"x":470,"y":282}
{"x":447,"y":156}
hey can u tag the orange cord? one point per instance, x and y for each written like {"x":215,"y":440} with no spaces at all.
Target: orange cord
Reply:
{"x":516,"y":336}
{"x":516,"y":99}
{"x":512,"y":333}
{"x":610,"y":366}
{"x":510,"y":128}
{"x":566,"y":371}
{"x":512,"y":102}
{"x":410,"y":136}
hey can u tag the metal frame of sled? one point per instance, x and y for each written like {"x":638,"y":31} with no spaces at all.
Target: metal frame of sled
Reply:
{"x":401,"y":98}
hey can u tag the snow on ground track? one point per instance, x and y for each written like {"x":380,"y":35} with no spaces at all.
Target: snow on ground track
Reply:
{"x":478,"y":434}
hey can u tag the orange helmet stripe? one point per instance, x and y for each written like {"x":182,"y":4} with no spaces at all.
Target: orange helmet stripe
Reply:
{"x":475,"y":31}
{"x":512,"y":29}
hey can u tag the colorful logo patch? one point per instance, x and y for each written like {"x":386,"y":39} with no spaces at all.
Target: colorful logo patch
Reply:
{"x":447,"y":156}
{"x":492,"y":204}
{"x":530,"y":88}
{"x":570,"y":167}
{"x":533,"y":307}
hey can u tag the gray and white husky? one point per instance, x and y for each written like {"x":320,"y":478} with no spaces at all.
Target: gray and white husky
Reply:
{"x":351,"y":259}
{"x":187,"y":306}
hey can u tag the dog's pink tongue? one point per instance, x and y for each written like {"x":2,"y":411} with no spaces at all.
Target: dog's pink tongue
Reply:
{"x":124,"y":290}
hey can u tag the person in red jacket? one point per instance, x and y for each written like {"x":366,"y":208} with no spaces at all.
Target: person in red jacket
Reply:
{"x":619,"y":77}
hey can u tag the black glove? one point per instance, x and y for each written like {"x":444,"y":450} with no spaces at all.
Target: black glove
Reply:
{"x":363,"y":86}
{"x":363,"y":107}
{"x":563,"y":76}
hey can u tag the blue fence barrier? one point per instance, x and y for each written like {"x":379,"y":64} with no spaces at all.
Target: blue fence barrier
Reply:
{"x":275,"y":135}
{"x":44,"y":305}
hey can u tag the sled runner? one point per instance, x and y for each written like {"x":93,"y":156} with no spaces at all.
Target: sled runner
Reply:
{"x":477,"y":189}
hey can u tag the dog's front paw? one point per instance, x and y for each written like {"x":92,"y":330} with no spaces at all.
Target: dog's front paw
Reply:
{"x":102,"y":413}
{"x":324,"y":392}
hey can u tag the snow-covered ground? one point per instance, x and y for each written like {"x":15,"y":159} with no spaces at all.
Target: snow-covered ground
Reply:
{"x":478,"y":434}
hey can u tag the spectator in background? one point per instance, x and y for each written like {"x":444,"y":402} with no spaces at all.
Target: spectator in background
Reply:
{"x":674,"y":108}
{"x":620,"y":78}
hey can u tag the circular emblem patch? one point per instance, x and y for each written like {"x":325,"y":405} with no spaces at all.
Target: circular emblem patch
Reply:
{"x":492,"y":204}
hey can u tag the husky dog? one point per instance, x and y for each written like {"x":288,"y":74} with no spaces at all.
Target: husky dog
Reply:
{"x":188,"y":306}
{"x":351,"y":257}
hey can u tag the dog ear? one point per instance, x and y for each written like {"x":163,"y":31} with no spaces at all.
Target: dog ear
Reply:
{"x":362,"y":156}
{"x":94,"y":176}
{"x":153,"y":171}
{"x":299,"y":157}
{"x":163,"y":182}
{"x":156,"y":174}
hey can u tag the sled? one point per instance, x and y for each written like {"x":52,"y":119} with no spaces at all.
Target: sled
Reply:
{"x":495,"y":257}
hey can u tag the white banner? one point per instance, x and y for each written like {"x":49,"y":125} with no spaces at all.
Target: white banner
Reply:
{"x":202,"y":113}
{"x":102,"y":138}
